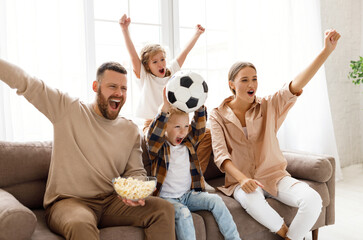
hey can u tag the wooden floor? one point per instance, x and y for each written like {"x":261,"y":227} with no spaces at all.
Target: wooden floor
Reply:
{"x":348,"y":208}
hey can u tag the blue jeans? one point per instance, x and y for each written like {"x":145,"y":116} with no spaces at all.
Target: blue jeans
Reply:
{"x":194,"y":201}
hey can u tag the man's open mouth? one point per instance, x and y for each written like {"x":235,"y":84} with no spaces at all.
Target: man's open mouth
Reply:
{"x":114,"y":103}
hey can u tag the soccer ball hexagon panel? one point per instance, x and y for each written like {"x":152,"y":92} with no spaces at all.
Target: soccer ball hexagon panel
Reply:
{"x":187,"y":91}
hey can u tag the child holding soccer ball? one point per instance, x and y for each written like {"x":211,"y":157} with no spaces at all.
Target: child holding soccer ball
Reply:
{"x":171,"y":143}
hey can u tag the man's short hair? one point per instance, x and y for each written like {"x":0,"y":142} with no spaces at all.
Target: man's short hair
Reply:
{"x":114,"y":66}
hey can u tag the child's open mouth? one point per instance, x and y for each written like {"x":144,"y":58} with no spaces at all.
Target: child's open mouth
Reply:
{"x":162,"y":71}
{"x":114,"y":103}
{"x":179,"y":140}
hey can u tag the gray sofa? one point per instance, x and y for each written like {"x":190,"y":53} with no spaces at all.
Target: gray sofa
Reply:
{"x":24,"y":170}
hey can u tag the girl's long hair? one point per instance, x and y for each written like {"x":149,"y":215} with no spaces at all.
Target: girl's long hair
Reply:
{"x":148,"y":52}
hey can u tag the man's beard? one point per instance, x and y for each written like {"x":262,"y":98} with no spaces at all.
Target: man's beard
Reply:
{"x":102,"y":103}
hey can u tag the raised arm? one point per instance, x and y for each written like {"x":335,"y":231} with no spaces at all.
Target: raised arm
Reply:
{"x":198,"y":125}
{"x":156,"y":133}
{"x":183,"y":55}
{"x":330,"y":42}
{"x":136,"y":63}
{"x":49,"y":101}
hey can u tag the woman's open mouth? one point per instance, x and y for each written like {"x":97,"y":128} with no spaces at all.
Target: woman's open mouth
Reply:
{"x":251,"y":93}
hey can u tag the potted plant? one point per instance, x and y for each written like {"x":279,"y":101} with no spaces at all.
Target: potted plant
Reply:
{"x":356,"y":73}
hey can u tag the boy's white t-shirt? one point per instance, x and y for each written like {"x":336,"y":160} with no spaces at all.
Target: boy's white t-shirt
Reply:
{"x":151,"y":91}
{"x":178,"y":179}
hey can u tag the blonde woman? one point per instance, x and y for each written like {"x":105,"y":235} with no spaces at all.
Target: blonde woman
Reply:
{"x":246,"y":148}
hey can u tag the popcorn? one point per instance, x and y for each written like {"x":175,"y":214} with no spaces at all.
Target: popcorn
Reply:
{"x":134,"y":189}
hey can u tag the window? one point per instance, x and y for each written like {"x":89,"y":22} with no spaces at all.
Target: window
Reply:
{"x":168,"y":23}
{"x":109,"y":43}
{"x":211,"y":55}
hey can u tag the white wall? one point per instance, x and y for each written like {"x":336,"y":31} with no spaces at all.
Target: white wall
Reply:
{"x":346,"y":98}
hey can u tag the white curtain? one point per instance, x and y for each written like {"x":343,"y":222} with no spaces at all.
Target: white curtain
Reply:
{"x":46,"y":39}
{"x":281,"y":38}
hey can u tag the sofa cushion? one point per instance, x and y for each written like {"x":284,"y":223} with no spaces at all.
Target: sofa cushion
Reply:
{"x":16,"y":221}
{"x":212,"y":171}
{"x":308,"y":166}
{"x":23,"y":162}
{"x":42,"y":232}
{"x":30,"y":194}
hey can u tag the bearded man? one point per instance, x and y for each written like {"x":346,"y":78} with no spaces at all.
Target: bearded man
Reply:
{"x":91,"y":146}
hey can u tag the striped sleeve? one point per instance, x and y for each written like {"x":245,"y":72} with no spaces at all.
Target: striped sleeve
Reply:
{"x":197,"y":126}
{"x":156,"y":134}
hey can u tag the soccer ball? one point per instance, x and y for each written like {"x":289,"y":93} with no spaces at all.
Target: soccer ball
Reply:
{"x":186,"y":91}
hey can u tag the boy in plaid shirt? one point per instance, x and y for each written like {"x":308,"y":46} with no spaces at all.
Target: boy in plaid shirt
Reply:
{"x":171,"y":144}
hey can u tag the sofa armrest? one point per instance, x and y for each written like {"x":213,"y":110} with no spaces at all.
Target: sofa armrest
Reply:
{"x":318,"y":168}
{"x":16,"y":220}
{"x":308,"y":166}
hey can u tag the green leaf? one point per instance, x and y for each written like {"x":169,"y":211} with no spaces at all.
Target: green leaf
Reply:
{"x":356,"y":73}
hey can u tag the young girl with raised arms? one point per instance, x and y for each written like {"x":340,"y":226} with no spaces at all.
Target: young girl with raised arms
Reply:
{"x":151,"y":70}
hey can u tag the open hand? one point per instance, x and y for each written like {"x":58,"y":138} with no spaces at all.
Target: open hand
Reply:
{"x":124,"y":22}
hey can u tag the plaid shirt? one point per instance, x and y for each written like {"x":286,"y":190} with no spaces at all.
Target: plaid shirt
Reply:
{"x":159,"y":149}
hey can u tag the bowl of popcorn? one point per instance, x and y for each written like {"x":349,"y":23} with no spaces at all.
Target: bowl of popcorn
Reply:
{"x":134,"y":188}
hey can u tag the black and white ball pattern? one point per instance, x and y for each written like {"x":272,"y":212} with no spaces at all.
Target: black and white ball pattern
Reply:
{"x":187,"y":91}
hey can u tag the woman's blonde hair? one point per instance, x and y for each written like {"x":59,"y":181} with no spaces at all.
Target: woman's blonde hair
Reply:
{"x":234,"y":70}
{"x":148,"y":52}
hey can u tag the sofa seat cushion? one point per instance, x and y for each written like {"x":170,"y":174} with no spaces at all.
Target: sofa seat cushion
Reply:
{"x":42,"y":232}
{"x":245,"y":223}
{"x":17,"y":222}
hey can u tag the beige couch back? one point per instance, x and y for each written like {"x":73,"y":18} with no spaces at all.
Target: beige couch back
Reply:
{"x":24,"y":170}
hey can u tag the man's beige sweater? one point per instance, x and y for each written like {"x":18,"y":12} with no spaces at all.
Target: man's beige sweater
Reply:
{"x":88,"y":150}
